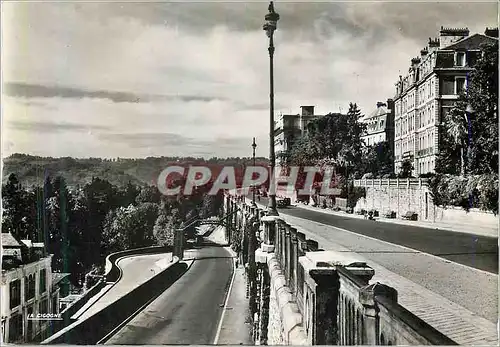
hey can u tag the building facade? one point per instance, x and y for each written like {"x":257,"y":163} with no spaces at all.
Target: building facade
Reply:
{"x":27,"y":289}
{"x":380,"y":124}
{"x":429,"y":91}
{"x":288,"y":128}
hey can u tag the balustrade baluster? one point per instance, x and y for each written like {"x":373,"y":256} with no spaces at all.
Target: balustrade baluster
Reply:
{"x":293,"y":261}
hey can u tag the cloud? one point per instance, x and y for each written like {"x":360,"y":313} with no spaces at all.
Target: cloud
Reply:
{"x":35,"y":90}
{"x":53,"y":127}
{"x":200,"y":70}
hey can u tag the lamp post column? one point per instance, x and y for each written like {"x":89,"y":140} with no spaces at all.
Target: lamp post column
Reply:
{"x":270,"y":26}
{"x":254,"y":145}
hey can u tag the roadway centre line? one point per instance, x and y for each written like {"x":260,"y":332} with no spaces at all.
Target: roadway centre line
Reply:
{"x":392,"y":244}
{"x":219,"y":328}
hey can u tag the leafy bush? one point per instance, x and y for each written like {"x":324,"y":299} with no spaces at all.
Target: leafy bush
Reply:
{"x":477,"y":191}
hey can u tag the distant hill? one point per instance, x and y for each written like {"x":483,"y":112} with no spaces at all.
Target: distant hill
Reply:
{"x":31,"y":170}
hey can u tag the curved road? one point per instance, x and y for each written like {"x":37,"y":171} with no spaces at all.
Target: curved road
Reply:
{"x":189,"y":311}
{"x":136,"y":270}
{"x":479,"y":252}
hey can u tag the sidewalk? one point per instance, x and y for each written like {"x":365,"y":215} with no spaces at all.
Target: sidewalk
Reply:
{"x":236,"y":326}
{"x":468,"y":229}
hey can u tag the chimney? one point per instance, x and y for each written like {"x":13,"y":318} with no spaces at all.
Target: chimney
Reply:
{"x":433,"y":44}
{"x":390,"y":104}
{"x":448,"y":36}
{"x":415,"y":62}
{"x":491,"y":32}
{"x":424,"y":52}
{"x":307,"y":110}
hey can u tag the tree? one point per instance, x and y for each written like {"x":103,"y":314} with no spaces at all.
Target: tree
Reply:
{"x":14,"y":208}
{"x":165,"y":226}
{"x":332,"y":141}
{"x":149,"y":194}
{"x":406,"y":169}
{"x":130,"y":227}
{"x":101,"y":197}
{"x":378,"y":159}
{"x":130,"y":194}
{"x":475,"y":134}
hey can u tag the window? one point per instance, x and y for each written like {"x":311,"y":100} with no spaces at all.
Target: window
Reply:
{"x":43,"y":281}
{"x":55,"y":307}
{"x":460,"y":85}
{"x":15,"y":293}
{"x":447,"y":85}
{"x":29,"y":287}
{"x":44,"y":306}
{"x":460,"y":59}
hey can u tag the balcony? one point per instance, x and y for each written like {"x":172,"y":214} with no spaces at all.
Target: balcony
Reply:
{"x":425,"y":151}
{"x":407,"y":155}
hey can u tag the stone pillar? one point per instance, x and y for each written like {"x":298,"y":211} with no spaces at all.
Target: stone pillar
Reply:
{"x":286,"y":261}
{"x":178,"y":250}
{"x":321,"y":300}
{"x":294,"y":259}
{"x":270,"y":224}
{"x":420,"y":198}
{"x":312,"y":245}
{"x":397,"y":189}
{"x":323,"y":273}
{"x":371,"y":324}
{"x":277,"y":245}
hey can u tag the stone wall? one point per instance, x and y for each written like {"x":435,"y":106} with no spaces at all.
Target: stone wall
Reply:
{"x":403,"y":195}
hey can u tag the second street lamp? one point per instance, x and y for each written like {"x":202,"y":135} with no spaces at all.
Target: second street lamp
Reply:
{"x":270,"y":26}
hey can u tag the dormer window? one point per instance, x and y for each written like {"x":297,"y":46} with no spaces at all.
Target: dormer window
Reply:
{"x":460,"y":59}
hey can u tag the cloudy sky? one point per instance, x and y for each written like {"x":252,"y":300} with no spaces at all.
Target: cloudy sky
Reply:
{"x":133,"y":80}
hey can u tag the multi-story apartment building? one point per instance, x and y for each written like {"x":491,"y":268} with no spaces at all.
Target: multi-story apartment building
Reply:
{"x":27,"y":287}
{"x":380,"y":124}
{"x":288,"y":128}
{"x":429,"y":91}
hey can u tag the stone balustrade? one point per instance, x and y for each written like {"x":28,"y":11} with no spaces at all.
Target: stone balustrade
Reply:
{"x":301,"y":295}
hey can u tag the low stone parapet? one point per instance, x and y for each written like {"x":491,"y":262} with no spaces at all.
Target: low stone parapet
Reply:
{"x":307,"y":296}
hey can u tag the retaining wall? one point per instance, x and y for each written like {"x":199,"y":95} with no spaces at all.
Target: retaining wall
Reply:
{"x":403,"y":195}
{"x":96,"y":327}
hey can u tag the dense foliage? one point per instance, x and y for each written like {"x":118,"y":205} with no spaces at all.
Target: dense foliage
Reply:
{"x":117,"y":171}
{"x":81,"y":226}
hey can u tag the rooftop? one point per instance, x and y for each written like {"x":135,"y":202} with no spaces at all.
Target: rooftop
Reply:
{"x":9,"y":241}
{"x":471,"y":42}
{"x":58,"y":276}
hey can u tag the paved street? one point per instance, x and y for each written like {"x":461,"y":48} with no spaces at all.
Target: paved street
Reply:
{"x":476,"y":251}
{"x":189,"y":311}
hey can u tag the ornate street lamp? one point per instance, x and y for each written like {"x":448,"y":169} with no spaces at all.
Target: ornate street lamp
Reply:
{"x":270,"y":26}
{"x":254,"y":145}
